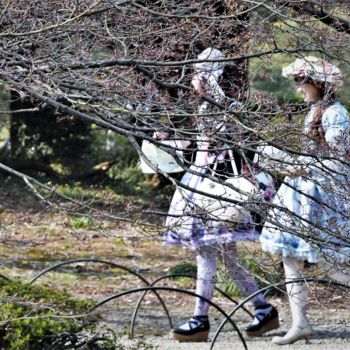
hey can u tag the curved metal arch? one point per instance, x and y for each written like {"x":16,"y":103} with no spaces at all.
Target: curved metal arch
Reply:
{"x":94,"y":260}
{"x":137,"y":307}
{"x":267,"y":288}
{"x":135,"y":290}
{"x":5,"y":277}
{"x":111,"y":263}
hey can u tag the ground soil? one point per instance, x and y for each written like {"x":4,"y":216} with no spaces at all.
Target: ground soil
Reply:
{"x":33,"y":237}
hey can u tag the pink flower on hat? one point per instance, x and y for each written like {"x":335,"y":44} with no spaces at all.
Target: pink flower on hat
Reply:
{"x":316,"y":69}
{"x":328,"y":68}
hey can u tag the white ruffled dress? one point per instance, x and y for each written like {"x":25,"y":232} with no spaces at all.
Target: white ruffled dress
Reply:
{"x":187,"y":226}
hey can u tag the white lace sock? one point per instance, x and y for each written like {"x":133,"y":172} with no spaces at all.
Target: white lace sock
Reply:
{"x":243,"y":279}
{"x":260,"y":313}
{"x":297,"y":294}
{"x":206,"y":276}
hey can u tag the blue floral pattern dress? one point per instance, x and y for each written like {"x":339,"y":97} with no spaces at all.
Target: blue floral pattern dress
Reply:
{"x":310,"y":217}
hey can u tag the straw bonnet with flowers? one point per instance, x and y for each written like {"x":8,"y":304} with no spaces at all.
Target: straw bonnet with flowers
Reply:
{"x":314,"y":69}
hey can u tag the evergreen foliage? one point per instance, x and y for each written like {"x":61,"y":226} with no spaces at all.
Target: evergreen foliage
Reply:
{"x":33,"y":317}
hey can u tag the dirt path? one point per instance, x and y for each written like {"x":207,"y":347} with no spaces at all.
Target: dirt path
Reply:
{"x":230,"y":343}
{"x":331,"y":332}
{"x":331,"y":325}
{"x":32,"y":239}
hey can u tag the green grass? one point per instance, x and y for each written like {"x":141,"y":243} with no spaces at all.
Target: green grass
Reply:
{"x":31,"y":317}
{"x":83,"y":222}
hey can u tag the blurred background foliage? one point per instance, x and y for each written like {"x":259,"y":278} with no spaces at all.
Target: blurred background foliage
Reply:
{"x":265,"y":73}
{"x":85,"y":145}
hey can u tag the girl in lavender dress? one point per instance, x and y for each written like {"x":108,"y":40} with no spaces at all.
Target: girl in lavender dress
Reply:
{"x":205,"y":235}
{"x":310,"y":217}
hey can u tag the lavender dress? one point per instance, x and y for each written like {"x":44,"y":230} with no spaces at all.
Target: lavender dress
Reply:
{"x":184,"y":225}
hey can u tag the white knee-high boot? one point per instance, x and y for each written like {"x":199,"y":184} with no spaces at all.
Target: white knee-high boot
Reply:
{"x":297,"y":296}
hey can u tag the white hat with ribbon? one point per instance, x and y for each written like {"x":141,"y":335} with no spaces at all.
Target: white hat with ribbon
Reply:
{"x":209,"y":73}
{"x":315,"y":69}
{"x":210,"y":68}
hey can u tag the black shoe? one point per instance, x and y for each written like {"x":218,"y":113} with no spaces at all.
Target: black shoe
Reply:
{"x":194,"y":330}
{"x":263,"y":322}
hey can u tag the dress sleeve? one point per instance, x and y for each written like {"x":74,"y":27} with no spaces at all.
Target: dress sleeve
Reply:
{"x":336,"y":125}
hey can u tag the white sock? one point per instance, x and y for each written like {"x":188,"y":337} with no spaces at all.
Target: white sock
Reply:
{"x":297,"y":293}
{"x":260,"y":313}
{"x":206,"y":276}
{"x":241,"y":276}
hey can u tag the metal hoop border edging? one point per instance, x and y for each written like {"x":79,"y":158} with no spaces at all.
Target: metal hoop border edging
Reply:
{"x":133,"y":320}
{"x":135,"y":290}
{"x":265,"y":289}
{"x":5,"y":278}
{"x":101,"y":261}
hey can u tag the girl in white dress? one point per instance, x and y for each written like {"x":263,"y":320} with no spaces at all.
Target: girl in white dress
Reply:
{"x":310,"y":217}
{"x":203,"y":234}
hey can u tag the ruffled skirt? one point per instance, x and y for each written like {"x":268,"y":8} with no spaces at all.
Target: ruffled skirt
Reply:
{"x":187,"y":227}
{"x":310,"y":219}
